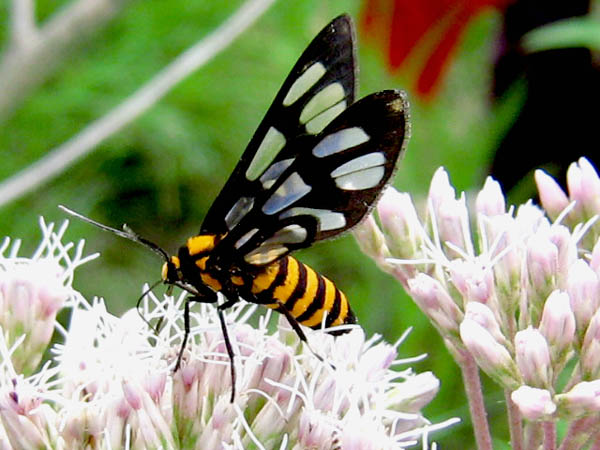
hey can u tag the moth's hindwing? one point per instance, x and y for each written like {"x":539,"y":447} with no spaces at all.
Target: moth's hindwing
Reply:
{"x":328,"y":187}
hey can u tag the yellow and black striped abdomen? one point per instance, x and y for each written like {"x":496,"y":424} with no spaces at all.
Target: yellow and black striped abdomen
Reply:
{"x":304,"y":292}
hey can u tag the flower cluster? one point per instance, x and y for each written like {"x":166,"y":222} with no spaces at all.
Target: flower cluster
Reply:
{"x":111,"y":384}
{"x":518,"y":289}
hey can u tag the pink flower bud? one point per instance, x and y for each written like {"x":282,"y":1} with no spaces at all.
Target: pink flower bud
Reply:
{"x":453,"y":225}
{"x":450,"y":215}
{"x":490,"y":200}
{"x":502,"y":232}
{"x":575,"y":188}
{"x":491,"y":356}
{"x":590,"y":350}
{"x":32,"y":292}
{"x":415,"y":392}
{"x":484,"y":316}
{"x":315,"y":431}
{"x":589,"y":188}
{"x":376,"y":361}
{"x":474,"y":281}
{"x":133,"y":394}
{"x":583,"y":398}
{"x":542,"y":262}
{"x":533,"y":357}
{"x":435,"y":302}
{"x":154,"y":384}
{"x":583,"y":288}
{"x":274,"y":366}
{"x":552,"y":197}
{"x":558,"y":323}
{"x":560,"y":236}
{"x":401,"y":224}
{"x":440,"y":189}
{"x":533,"y":403}
{"x":18,"y":418}
{"x":371,"y":241}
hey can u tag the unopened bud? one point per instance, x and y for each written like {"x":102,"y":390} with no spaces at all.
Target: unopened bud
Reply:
{"x":542,"y":263}
{"x":552,"y":197}
{"x":401,"y":224}
{"x":485,"y":317}
{"x":533,"y":403}
{"x":492,"y":357}
{"x":583,"y":288}
{"x":583,"y":398}
{"x":590,"y":350}
{"x":490,"y":200}
{"x":558,"y":325}
{"x":434,"y":300}
{"x":474,"y":282}
{"x":533,"y":357}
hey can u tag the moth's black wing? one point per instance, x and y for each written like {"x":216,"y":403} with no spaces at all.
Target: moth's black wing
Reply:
{"x":322,"y":185}
{"x":320,"y":86}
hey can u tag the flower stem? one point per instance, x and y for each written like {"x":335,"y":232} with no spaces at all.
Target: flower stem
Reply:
{"x":515,"y":424}
{"x":533,"y":435}
{"x":549,"y":435}
{"x":474,"y":393}
{"x":577,"y":435}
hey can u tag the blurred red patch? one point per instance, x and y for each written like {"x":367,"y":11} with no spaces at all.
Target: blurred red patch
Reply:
{"x":400,"y":26}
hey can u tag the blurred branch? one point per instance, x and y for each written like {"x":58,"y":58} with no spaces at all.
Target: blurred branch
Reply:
{"x":82,"y":143}
{"x":34,"y":53}
{"x":23,"y":31}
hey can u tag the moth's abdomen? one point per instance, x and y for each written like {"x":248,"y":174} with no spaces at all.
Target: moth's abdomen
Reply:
{"x":304,"y":292}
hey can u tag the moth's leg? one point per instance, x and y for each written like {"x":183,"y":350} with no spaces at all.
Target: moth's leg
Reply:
{"x":231,"y":298}
{"x":206,"y":296}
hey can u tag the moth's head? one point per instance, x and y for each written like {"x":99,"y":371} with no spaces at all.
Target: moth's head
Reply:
{"x":170,"y":270}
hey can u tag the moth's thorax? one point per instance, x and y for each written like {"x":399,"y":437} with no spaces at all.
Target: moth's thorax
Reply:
{"x":202,"y":244}
{"x":198,"y":264}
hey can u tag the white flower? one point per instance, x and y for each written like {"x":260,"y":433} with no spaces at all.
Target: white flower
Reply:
{"x":111,"y":381}
{"x":526,"y":282}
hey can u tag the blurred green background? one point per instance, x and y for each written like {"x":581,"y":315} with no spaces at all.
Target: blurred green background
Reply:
{"x":161,"y":173}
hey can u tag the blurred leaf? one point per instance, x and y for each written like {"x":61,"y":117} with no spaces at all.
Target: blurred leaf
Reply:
{"x":573,"y":32}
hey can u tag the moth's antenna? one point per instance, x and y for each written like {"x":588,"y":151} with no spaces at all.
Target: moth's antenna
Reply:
{"x":127,"y":233}
{"x":139,"y":302}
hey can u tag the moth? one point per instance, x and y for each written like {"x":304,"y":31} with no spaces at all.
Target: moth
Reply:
{"x":313,"y":169}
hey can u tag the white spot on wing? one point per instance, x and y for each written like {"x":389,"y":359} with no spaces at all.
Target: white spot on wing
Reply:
{"x":319,"y":123}
{"x":245,"y":238}
{"x":364,"y":179}
{"x":274,"y":171}
{"x":323,"y":100}
{"x":291,"y":234}
{"x":271,"y":144}
{"x":304,"y":82}
{"x":291,"y":190}
{"x":265,"y":254}
{"x":339,"y":141}
{"x":274,"y":247}
{"x":361,"y":163}
{"x":328,"y":220}
{"x":238,"y":211}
